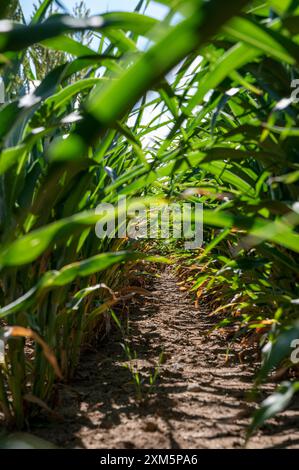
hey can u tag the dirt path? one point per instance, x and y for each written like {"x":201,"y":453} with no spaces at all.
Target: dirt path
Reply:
{"x":199,"y":400}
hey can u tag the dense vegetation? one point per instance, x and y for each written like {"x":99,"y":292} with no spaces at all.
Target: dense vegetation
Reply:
{"x":79,"y":137}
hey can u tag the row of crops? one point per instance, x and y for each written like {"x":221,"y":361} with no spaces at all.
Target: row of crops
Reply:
{"x":201,"y":103}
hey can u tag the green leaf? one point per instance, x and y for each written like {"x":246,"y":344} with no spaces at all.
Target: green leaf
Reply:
{"x":277,"y":350}
{"x":29,"y":247}
{"x":110,"y":104}
{"x":54,"y":279}
{"x":21,"y":440}
{"x":14,"y":37}
{"x":11,"y":156}
{"x":68,"y":45}
{"x":41,"y":11}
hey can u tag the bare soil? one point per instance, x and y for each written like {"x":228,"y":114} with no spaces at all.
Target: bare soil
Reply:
{"x":201,"y":398}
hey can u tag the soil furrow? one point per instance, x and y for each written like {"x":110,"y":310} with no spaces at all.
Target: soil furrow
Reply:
{"x":199,"y":400}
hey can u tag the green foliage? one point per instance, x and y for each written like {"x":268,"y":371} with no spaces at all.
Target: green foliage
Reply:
{"x":273,"y":404}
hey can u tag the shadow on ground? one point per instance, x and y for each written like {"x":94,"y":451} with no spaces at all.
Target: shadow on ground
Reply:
{"x":200,"y":399}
